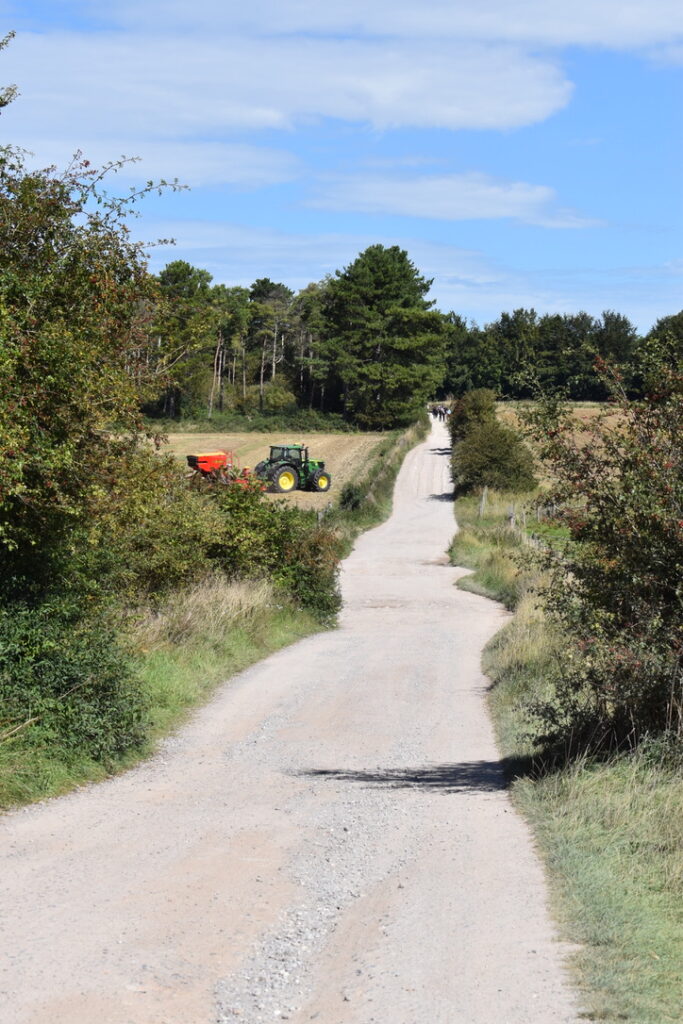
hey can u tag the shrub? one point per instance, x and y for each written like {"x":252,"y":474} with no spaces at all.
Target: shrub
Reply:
{"x":304,"y":420}
{"x":66,"y":681}
{"x":491,"y":455}
{"x":263,"y":539}
{"x":616,"y":586}
{"x":478,"y":406}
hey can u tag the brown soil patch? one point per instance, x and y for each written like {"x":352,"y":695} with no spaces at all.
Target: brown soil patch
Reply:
{"x":345,"y":455}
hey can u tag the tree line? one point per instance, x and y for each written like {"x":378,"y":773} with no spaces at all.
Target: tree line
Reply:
{"x":367,"y":344}
{"x":364,"y":344}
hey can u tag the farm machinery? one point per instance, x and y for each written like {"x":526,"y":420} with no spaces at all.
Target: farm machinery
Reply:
{"x":287,"y":468}
{"x":221,"y":467}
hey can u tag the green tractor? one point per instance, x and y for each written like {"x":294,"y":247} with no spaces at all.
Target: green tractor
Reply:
{"x":289,"y":468}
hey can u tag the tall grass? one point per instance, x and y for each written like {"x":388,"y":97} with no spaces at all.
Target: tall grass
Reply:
{"x":206,"y":613}
{"x":485,"y":543}
{"x":611,"y":832}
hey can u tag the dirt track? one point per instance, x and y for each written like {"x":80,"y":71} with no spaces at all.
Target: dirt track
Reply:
{"x":328,"y":840}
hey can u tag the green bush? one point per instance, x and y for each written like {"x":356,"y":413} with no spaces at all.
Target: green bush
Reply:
{"x":478,"y":406}
{"x":296,"y":419}
{"x":66,"y":681}
{"x":615,"y":588}
{"x":279,"y":542}
{"x":492,"y":455}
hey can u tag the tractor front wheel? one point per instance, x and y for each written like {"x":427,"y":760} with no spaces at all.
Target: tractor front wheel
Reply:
{"x":285,"y":480}
{"x":321,"y":481}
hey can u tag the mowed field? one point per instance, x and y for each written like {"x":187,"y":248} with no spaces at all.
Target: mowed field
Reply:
{"x":345,"y":455}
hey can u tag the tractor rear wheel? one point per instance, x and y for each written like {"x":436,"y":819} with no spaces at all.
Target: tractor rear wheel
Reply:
{"x":285,"y":480}
{"x":321,"y":480}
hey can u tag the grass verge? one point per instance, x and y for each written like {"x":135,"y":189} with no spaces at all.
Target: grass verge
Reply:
{"x":611,"y":833}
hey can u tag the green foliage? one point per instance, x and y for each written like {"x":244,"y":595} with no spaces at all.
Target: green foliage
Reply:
{"x":558,"y":350}
{"x":492,"y":455}
{"x":74,"y":313}
{"x":616,"y":587}
{"x":473,"y":408}
{"x":279,"y":542}
{"x":90,"y":516}
{"x":66,"y":681}
{"x":388,"y":344}
{"x":298,"y":420}
{"x":151,"y":535}
{"x":486,"y":453}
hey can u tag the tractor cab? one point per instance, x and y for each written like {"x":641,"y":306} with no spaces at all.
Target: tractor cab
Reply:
{"x":288,"y":453}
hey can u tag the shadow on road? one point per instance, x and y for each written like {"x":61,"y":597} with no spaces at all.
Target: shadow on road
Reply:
{"x":484,"y":776}
{"x":446,"y":496}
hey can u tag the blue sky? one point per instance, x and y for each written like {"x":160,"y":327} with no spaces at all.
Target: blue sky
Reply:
{"x":524,"y":152}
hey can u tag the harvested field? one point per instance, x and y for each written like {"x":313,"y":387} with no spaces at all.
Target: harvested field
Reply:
{"x":344,"y":454}
{"x":584,"y":415}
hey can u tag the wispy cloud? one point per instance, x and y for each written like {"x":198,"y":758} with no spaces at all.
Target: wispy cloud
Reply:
{"x":615,"y":23}
{"x":450,"y":197}
{"x":195,"y":163}
{"x":237,"y":254}
{"x":135,"y":85}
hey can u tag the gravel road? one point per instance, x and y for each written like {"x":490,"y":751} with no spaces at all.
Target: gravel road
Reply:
{"x":328,"y":840}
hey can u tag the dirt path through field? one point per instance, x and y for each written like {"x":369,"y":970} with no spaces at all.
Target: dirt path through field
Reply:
{"x":328,"y":840}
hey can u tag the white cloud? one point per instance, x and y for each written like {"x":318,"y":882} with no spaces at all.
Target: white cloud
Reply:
{"x":450,"y":197}
{"x":193,"y":163}
{"x":136,"y":86}
{"x":671,"y":55}
{"x":612,"y":23}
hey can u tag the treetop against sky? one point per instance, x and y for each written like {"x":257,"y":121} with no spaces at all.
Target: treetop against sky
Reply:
{"x":524,"y":152}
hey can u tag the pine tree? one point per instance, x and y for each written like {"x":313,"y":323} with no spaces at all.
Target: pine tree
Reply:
{"x":388,"y":344}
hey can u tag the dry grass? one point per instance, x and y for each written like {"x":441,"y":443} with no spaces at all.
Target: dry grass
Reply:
{"x":584,"y":415}
{"x":207,"y":611}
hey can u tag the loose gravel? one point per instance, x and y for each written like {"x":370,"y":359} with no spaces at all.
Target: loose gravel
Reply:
{"x":328,"y":840}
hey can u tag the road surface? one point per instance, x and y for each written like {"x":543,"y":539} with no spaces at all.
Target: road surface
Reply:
{"x":329,"y":839}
